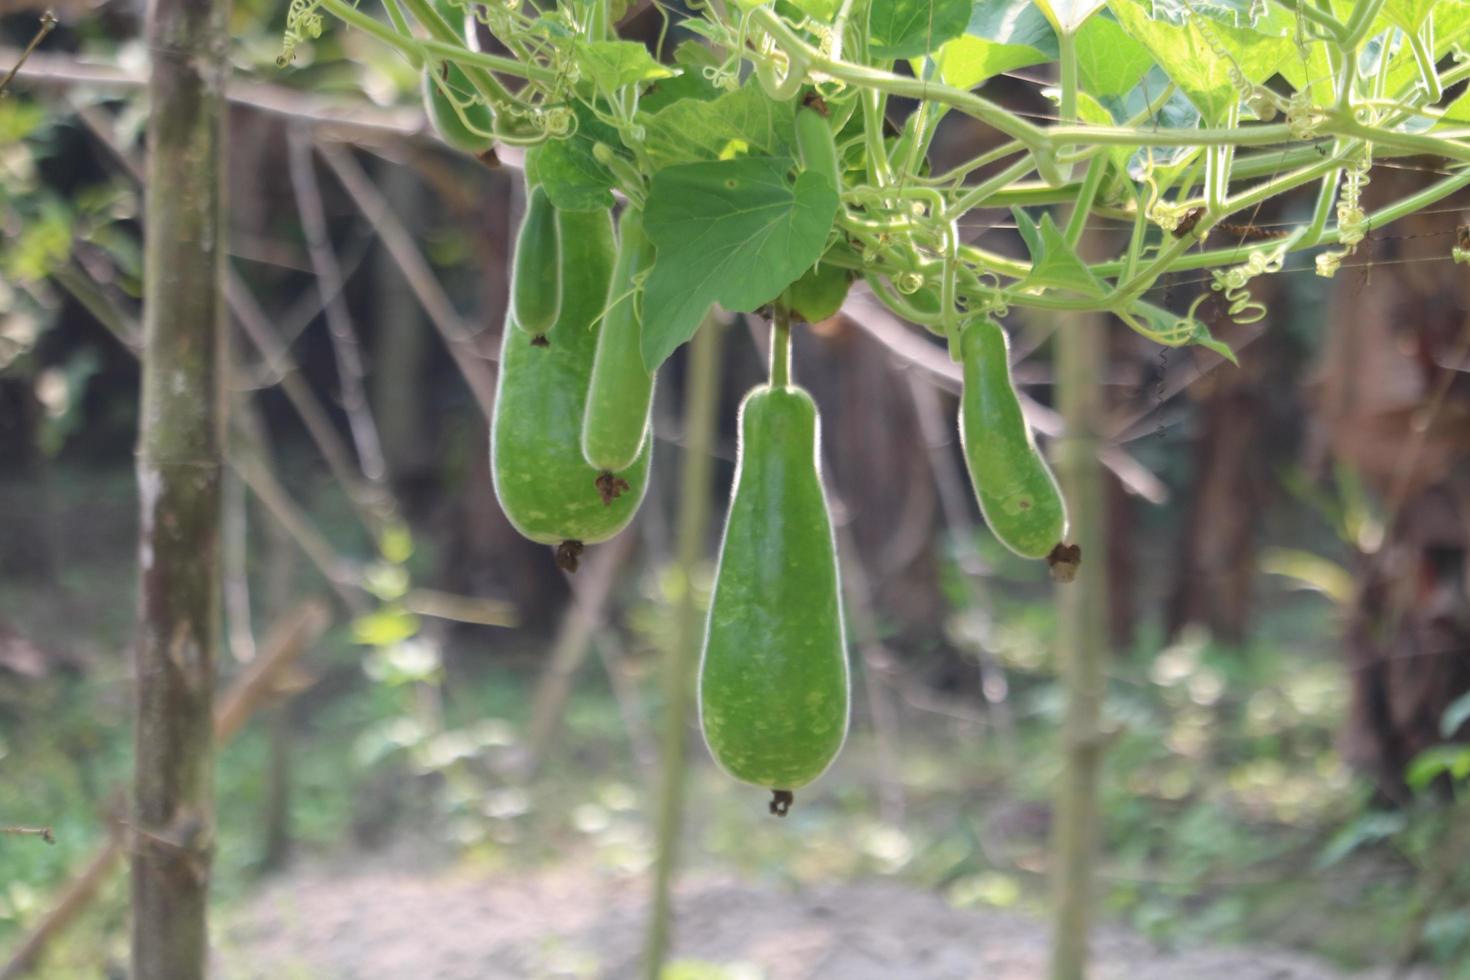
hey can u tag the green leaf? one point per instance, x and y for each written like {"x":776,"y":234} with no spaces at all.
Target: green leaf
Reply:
{"x":1455,"y":716}
{"x":573,"y":178}
{"x":1109,"y":61}
{"x":387,"y":626}
{"x":691,"y":58}
{"x":1186,"y":54}
{"x":1408,"y":15}
{"x":1068,"y":15}
{"x":822,"y":10}
{"x":910,"y":28}
{"x":1089,"y":110}
{"x":1172,"y":330}
{"x":1053,"y":262}
{"x":1429,"y":764}
{"x":742,"y":123}
{"x":1458,"y":111}
{"x":733,"y":232}
{"x":819,"y":293}
{"x":1369,"y":828}
{"x":1002,"y":35}
{"x":610,"y":65}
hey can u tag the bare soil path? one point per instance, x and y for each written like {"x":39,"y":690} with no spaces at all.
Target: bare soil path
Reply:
{"x":391,"y":922}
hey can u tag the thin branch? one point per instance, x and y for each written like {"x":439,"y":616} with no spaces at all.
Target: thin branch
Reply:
{"x":339,"y":321}
{"x":460,"y":608}
{"x":369,"y":501}
{"x":347,"y":118}
{"x":340,"y":574}
{"x":48,"y":24}
{"x":591,"y":591}
{"x":109,"y":314}
{"x":42,"y":832}
{"x":456,"y":333}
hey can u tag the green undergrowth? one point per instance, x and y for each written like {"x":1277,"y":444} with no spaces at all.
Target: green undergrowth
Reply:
{"x":1229,"y":817}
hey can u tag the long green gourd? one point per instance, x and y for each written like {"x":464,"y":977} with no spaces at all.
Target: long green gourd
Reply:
{"x":468,"y":127}
{"x":470,"y":132}
{"x":548,"y":491}
{"x":538,"y":270}
{"x":773,"y":681}
{"x":1018,"y":494}
{"x":615,"y":426}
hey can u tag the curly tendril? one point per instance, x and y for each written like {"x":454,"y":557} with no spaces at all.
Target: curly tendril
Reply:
{"x":909,"y":283}
{"x":1303,"y":116}
{"x":1352,"y":221}
{"x":303,"y":23}
{"x":558,"y":122}
{"x":1232,"y":282}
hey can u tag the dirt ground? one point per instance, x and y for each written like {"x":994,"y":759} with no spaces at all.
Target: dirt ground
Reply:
{"x":396,"y":922}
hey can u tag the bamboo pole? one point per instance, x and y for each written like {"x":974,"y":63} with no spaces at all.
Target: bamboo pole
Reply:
{"x":180,"y":462}
{"x":702,"y":383}
{"x":1081,"y":644}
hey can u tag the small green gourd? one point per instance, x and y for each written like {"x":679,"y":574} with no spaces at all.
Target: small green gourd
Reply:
{"x":615,"y":426}
{"x":547,"y":490}
{"x":1018,"y":494}
{"x":773,"y":680}
{"x":469,"y":127}
{"x":536,"y":275}
{"x":816,"y":145}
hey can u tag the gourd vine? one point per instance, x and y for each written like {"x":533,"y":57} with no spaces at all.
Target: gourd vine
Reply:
{"x":777,"y":153}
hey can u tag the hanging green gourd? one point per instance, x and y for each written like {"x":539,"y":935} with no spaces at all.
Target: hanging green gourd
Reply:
{"x":545,"y":486}
{"x":773,"y":680}
{"x":1018,"y":495}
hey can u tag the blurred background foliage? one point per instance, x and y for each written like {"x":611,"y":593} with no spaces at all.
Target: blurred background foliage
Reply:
{"x":1290,"y":753}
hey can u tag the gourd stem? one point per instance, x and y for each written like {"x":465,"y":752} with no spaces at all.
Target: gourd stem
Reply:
{"x":700,"y":403}
{"x":781,"y":347}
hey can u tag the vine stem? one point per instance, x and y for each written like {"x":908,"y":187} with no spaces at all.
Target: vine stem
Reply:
{"x":701,"y":398}
{"x":781,"y":347}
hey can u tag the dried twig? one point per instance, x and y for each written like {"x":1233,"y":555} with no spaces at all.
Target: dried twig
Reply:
{"x":458,"y":336}
{"x":591,"y":591}
{"x":48,"y":24}
{"x":339,"y":321}
{"x":42,"y":832}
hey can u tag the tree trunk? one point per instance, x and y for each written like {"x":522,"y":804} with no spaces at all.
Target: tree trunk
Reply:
{"x":179,"y":470}
{"x":1393,"y":403}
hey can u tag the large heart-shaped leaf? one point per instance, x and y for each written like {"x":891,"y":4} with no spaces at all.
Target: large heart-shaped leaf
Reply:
{"x":733,"y":232}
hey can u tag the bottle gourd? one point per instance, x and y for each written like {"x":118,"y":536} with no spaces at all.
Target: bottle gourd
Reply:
{"x":537,"y":271}
{"x":621,"y":394}
{"x":453,"y":105}
{"x":773,"y":680}
{"x":1018,"y":494}
{"x":547,"y":490}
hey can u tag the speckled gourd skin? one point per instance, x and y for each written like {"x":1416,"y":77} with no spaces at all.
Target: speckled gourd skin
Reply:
{"x":773,"y":682}
{"x":620,"y":398}
{"x":1018,"y":495}
{"x":446,"y":120}
{"x":544,"y":485}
